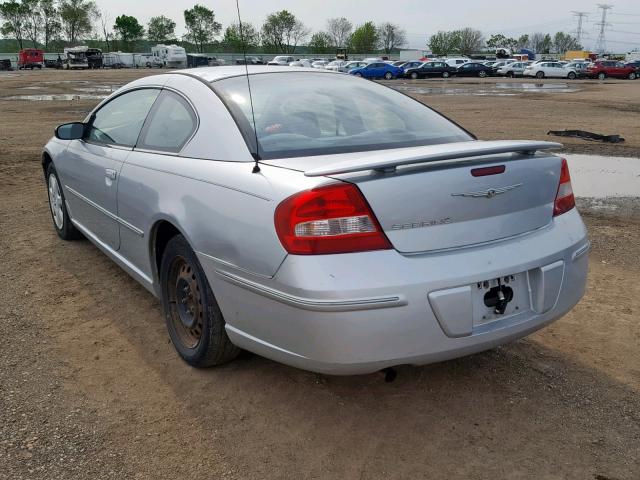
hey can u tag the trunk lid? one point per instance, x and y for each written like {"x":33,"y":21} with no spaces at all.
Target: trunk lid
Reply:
{"x":441,"y":204}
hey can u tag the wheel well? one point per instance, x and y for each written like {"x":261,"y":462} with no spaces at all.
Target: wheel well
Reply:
{"x":164,"y":231}
{"x":46,"y":160}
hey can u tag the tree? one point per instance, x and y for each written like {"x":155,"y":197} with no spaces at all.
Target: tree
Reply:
{"x":32,"y":20}
{"x":105,"y":19}
{"x":13,"y":15}
{"x":563,"y":42}
{"x":540,"y":42}
{"x":523,"y":41}
{"x":77,"y":18}
{"x":161,"y":29}
{"x":128,"y":29}
{"x":471,"y":40}
{"x":321,"y":42}
{"x":391,"y":36}
{"x":339,"y":29}
{"x":444,"y":43}
{"x":497,"y":41}
{"x":282,"y":32}
{"x":365,"y":38}
{"x":201,"y":25}
{"x":51,"y":26}
{"x":234,"y":42}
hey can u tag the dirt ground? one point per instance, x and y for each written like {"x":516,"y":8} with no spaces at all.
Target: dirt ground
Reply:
{"x":91,"y":388}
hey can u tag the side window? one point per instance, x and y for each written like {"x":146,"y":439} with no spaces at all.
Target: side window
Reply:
{"x":119,"y":122}
{"x":170,"y":125}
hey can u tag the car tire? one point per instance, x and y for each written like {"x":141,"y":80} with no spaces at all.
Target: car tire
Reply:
{"x":540,"y":75}
{"x":510,"y":75}
{"x":602,"y":76}
{"x":632,"y":76}
{"x":446,"y":74}
{"x":194,"y":320}
{"x":65,"y":229}
{"x":571,"y":76}
{"x":414,"y":75}
{"x":388,"y":76}
{"x":358,"y":74}
{"x":482,"y":74}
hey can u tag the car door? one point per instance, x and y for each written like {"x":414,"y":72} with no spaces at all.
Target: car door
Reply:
{"x":465,"y":70}
{"x":91,"y":166}
{"x":170,"y":125}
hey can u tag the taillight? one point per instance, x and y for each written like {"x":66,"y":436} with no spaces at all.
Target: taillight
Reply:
{"x":565,"y":200}
{"x":331,"y":219}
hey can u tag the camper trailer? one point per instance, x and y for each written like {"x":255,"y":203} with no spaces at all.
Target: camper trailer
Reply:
{"x":171,"y":56}
{"x":75,"y":57}
{"x":30,"y":58}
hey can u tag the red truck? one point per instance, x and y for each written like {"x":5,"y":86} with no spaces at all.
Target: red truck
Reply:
{"x":610,"y":68}
{"x":30,"y":58}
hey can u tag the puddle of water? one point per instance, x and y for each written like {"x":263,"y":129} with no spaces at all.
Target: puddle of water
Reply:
{"x":594,"y":176}
{"x":496,"y":89}
{"x":56,"y":97}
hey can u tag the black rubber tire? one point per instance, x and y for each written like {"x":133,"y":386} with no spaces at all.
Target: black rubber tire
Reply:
{"x":388,"y":76}
{"x":214,"y":346}
{"x":510,"y":75}
{"x":446,"y":74}
{"x":68,"y":230}
{"x":414,"y":75}
{"x":482,"y":74}
{"x":632,"y":76}
{"x":571,"y":76}
{"x":602,"y":76}
{"x":540,"y":75}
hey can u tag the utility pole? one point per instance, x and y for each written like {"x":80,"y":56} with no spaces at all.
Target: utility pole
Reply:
{"x":601,"y":43}
{"x":580,"y":16}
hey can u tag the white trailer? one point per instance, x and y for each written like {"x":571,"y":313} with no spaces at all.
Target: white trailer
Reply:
{"x":171,"y":56}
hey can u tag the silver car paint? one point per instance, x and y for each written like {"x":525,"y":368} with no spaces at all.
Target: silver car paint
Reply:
{"x":350,"y":313}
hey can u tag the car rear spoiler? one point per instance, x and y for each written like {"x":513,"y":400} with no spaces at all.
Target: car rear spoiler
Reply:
{"x":441,"y":154}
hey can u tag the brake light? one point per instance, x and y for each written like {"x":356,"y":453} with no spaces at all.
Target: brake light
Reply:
{"x":565,"y":200}
{"x":331,"y":219}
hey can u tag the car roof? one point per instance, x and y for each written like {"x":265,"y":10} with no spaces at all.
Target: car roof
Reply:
{"x":211,"y":74}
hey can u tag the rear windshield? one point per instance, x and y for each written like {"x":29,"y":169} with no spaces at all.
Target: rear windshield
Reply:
{"x":306,"y":113}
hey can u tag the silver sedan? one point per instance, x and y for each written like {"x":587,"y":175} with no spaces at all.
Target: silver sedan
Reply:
{"x":325,"y":222}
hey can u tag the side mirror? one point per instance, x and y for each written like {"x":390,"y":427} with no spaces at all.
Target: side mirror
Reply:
{"x":70,"y":131}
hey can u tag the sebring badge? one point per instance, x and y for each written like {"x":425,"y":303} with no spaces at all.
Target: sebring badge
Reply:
{"x":490,"y":193}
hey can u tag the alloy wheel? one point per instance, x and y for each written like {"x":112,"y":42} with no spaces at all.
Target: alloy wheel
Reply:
{"x":55,"y":202}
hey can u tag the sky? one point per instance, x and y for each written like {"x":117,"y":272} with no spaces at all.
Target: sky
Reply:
{"x":419,"y":18}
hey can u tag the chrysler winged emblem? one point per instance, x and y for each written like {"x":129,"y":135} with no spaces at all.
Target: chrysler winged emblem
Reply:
{"x":490,"y":193}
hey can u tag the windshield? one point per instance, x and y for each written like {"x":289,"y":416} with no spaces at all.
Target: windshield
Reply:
{"x":306,"y":113}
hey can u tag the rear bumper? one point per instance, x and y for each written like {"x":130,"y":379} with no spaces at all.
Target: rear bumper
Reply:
{"x":358,"y":313}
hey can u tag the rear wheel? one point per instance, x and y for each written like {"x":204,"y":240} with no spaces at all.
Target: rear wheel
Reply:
{"x":571,"y":76}
{"x":414,"y":75}
{"x":482,"y":74}
{"x":632,"y":76}
{"x":59,"y":214}
{"x":194,"y":320}
{"x":358,"y":74}
{"x":388,"y":76}
{"x":446,"y":74}
{"x":540,"y":75}
{"x":602,"y":76}
{"x":510,"y":74}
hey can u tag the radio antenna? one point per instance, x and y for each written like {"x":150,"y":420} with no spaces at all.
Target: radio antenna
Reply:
{"x":256,"y":156}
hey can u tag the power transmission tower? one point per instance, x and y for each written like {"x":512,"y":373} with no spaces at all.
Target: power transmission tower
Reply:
{"x":580,"y":16}
{"x":601,"y":43}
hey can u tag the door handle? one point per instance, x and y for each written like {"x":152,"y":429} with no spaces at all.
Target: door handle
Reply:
{"x":110,"y":173}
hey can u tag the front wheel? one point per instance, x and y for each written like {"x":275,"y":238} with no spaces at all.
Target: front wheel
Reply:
{"x":632,"y":76}
{"x":388,"y":76}
{"x":482,"y":74}
{"x":446,"y":74}
{"x":414,"y":75}
{"x":510,"y":75}
{"x":540,"y":75}
{"x":58,"y":208}
{"x":193,"y":317}
{"x":602,"y":76}
{"x":358,"y":74}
